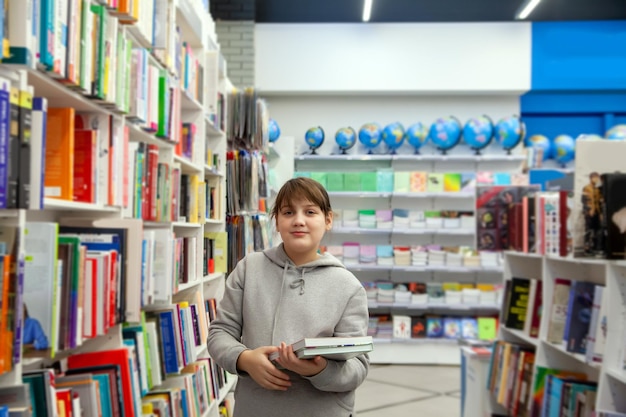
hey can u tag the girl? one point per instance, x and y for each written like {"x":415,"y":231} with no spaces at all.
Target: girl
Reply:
{"x":276,"y":297}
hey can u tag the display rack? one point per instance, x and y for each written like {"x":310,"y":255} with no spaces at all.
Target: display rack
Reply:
{"x":412,"y":351}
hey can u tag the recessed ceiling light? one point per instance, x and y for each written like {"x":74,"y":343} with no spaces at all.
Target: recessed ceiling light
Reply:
{"x":367,"y":10}
{"x":527,"y":8}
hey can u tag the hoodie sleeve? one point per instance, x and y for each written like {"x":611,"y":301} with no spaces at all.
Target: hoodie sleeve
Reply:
{"x":343,"y":376}
{"x":224,"y":341}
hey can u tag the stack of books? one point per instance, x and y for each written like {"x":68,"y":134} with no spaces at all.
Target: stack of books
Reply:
{"x":337,"y":348}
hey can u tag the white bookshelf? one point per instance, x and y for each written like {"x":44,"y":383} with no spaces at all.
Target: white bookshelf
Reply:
{"x":195,"y":25}
{"x":427,"y":351}
{"x":610,"y":373}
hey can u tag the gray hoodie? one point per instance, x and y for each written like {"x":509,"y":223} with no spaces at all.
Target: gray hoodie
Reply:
{"x":279,"y":302}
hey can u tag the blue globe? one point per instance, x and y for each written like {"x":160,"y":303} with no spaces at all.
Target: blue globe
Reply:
{"x":370,"y":135}
{"x":393,"y":136}
{"x":478,"y":133}
{"x":345,"y":138}
{"x":564,"y":148}
{"x":543,"y":143}
{"x":445,"y":133}
{"x":314,"y":137}
{"x":617,"y":132}
{"x":509,"y":132}
{"x":417,"y":135}
{"x":274,"y":130}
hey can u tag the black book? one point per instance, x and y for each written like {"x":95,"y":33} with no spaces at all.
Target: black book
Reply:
{"x":518,"y":303}
{"x":25,"y":122}
{"x":614,"y":221}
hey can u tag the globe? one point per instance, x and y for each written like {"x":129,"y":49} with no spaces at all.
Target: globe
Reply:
{"x":370,"y":136}
{"x":509,"y":132}
{"x":314,"y":137}
{"x":478,"y":133}
{"x":417,"y":135}
{"x":393,"y":136}
{"x":445,"y":133}
{"x":542,"y":143}
{"x":274,"y":130}
{"x":617,"y":132}
{"x":564,"y":149}
{"x":345,"y":138}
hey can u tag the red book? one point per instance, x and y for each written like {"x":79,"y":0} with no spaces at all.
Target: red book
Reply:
{"x":64,"y":402}
{"x":152,"y":181}
{"x":118,"y":357}
{"x":85,"y":153}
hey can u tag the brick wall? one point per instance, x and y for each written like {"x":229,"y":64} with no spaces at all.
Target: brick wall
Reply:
{"x":235,"y":34}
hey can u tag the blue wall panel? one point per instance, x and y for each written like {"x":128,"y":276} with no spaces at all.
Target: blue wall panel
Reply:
{"x":579,"y":56}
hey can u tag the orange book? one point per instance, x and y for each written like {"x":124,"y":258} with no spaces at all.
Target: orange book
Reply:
{"x":6,"y":335}
{"x":59,"y":176}
{"x":85,"y":160}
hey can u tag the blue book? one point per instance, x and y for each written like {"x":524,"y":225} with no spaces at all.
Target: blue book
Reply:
{"x":4,"y":411}
{"x":5,"y":88}
{"x":105,"y":394}
{"x":46,"y":33}
{"x":168,"y":341}
{"x":185,"y":409}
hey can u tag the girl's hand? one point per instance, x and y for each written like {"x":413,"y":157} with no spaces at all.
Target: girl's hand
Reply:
{"x":257,"y":364}
{"x":304,"y":367}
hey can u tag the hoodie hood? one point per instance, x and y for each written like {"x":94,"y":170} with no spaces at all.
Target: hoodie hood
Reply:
{"x":278,"y":256}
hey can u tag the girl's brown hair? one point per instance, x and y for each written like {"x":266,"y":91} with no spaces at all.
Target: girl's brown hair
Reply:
{"x":302,"y":188}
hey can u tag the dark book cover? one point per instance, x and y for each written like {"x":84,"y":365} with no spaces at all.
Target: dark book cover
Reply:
{"x":614,"y":197}
{"x":434,"y":326}
{"x":418,"y":327}
{"x":520,"y":289}
{"x":537,"y":310}
{"x":581,"y":305}
{"x":25,"y":122}
{"x":14,"y":149}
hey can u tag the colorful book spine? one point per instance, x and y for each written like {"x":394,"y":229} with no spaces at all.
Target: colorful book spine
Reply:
{"x":5,"y":114}
{"x":38,"y":152}
{"x":25,"y":137}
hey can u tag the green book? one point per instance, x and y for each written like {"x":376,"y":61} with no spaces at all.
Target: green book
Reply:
{"x":384,"y":180}
{"x":402,"y":182}
{"x":319,"y":177}
{"x":164,"y":99}
{"x":368,"y":181}
{"x":334,"y":181}
{"x":452,"y":182}
{"x":486,"y":328}
{"x":352,"y":181}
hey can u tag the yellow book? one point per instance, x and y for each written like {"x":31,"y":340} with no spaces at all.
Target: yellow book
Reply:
{"x":194,"y":199}
{"x":220,"y":250}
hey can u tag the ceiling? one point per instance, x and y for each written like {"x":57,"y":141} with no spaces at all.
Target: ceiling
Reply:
{"x":345,"y":11}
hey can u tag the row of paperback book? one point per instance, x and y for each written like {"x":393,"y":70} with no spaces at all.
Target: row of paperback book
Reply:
{"x":399,"y":327}
{"x":387,"y":180}
{"x":433,"y":293}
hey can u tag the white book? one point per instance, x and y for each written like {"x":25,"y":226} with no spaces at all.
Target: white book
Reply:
{"x":40,"y":273}
{"x":86,"y":47}
{"x":38,"y":151}
{"x":23,"y":34}
{"x":154,"y":353}
{"x":401,"y":326}
{"x":163,"y":269}
{"x":59,"y":69}
{"x":72,"y":61}
{"x":341,"y":353}
{"x":316,"y":342}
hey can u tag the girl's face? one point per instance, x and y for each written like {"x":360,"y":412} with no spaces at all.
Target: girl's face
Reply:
{"x":302,"y":225}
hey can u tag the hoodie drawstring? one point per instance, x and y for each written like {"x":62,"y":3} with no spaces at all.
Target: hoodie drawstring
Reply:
{"x":276,"y":314}
{"x":298,"y":283}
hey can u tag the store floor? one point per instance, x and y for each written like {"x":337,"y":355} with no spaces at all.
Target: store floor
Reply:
{"x":409,"y":391}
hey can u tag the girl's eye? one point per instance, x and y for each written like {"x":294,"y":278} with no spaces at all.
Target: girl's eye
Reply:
{"x":312,"y":212}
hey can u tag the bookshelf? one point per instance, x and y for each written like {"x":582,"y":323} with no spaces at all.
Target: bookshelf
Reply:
{"x":413,"y":350}
{"x":156,"y":182}
{"x":608,"y":372}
